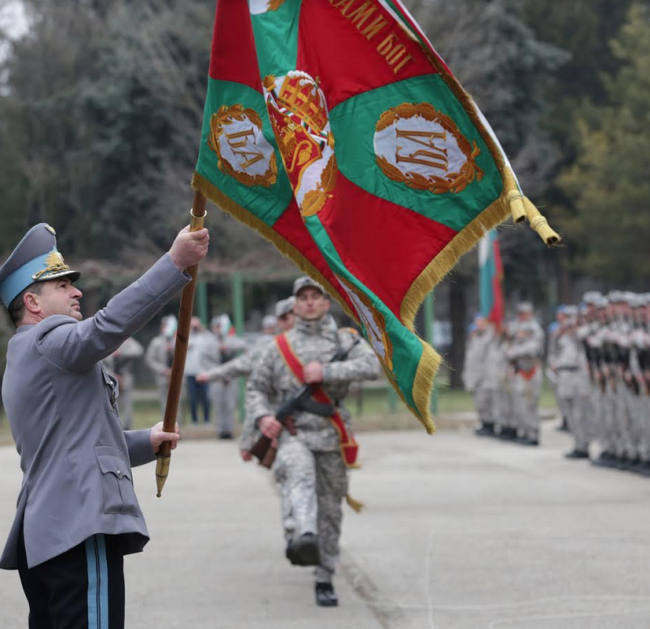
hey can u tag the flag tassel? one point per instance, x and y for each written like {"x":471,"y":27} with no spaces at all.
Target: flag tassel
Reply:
{"x":354,"y":504}
{"x":522,"y":208}
{"x":540,"y":224}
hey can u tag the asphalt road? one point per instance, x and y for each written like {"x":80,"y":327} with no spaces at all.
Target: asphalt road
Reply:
{"x":458,"y":533}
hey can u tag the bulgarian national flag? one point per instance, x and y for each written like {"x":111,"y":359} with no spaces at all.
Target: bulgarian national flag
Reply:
{"x":334,"y":129}
{"x":491,"y":279}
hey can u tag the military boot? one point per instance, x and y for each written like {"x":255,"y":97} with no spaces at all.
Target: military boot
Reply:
{"x":303,"y":551}
{"x":577,"y":454}
{"x":325,"y":595}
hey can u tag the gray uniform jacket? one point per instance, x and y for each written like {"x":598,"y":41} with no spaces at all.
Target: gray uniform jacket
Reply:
{"x":75,"y":457}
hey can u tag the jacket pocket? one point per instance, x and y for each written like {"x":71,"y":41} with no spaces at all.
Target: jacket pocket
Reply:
{"x":117,"y":482}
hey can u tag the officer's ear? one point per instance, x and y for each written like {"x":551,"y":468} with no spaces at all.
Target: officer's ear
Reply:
{"x":328,"y":304}
{"x":32,"y":303}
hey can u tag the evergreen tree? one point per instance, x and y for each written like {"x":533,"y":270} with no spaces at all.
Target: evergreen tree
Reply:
{"x":610,"y":181}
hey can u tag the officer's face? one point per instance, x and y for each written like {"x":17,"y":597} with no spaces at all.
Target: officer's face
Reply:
{"x":311,"y":304}
{"x":59,"y":297}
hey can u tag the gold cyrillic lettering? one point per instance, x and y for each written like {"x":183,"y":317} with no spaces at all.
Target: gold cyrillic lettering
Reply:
{"x":240,"y":134}
{"x":419,"y":155}
{"x":402,"y":63}
{"x":347,"y":3}
{"x":249,"y":161}
{"x":359,"y":16}
{"x":414,"y":135}
{"x":387,"y":45}
{"x":374,"y":27}
{"x":395,"y":54}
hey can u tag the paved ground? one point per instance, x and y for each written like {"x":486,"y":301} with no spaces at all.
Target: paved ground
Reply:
{"x":459,"y":533}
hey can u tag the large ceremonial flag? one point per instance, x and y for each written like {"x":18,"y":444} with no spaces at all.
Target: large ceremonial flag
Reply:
{"x":335,"y":130}
{"x":491,"y":279}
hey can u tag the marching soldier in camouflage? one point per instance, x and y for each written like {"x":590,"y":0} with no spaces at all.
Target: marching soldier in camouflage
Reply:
{"x":309,"y":467}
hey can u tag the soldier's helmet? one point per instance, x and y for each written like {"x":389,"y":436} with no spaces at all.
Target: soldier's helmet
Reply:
{"x":35,"y":259}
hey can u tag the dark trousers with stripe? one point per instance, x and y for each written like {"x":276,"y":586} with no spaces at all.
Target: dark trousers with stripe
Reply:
{"x":81,"y":589}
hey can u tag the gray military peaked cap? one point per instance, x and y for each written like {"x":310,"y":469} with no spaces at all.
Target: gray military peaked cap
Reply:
{"x":284,"y":306}
{"x":304,"y":282}
{"x":35,"y":259}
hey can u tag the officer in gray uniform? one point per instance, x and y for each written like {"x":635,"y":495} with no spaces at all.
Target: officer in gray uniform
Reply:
{"x":77,"y":513}
{"x":309,"y":466}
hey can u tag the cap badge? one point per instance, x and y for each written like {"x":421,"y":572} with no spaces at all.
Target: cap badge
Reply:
{"x":55,"y":264}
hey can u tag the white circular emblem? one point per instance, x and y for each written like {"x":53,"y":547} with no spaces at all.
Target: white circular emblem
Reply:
{"x":419,"y":146}
{"x":263,"y":6}
{"x":244,"y":153}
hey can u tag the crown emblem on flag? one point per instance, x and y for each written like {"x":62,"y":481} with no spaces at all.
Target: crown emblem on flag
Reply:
{"x":301,"y":96}
{"x":298,"y":113}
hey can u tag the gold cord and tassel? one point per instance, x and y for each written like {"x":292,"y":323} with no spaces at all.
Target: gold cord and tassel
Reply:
{"x":354,"y":504}
{"x":522,"y":208}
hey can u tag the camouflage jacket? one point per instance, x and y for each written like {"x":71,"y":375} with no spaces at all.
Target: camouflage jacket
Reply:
{"x":272,"y":381}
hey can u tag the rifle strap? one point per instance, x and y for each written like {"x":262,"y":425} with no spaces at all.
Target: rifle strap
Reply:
{"x":347,"y":443}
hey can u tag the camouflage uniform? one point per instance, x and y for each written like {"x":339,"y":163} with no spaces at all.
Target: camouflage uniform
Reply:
{"x":309,"y":467}
{"x":524,"y":355}
{"x":565,"y":360}
{"x":475,"y":375}
{"x":242,"y":366}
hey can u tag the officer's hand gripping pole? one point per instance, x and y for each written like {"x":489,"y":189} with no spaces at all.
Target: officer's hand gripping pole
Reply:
{"x":180,"y":351}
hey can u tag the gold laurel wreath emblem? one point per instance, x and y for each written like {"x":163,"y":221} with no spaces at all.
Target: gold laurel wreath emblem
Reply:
{"x":226,"y":116}
{"x":55,"y":264}
{"x":379,"y":322}
{"x":452,"y":182}
{"x":314,"y":200}
{"x":274,"y":5}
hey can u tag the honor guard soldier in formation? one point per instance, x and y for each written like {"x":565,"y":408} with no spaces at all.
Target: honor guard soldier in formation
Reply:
{"x":616,"y":340}
{"x":503,"y":371}
{"x":311,"y":462}
{"x":77,"y":513}
{"x":599,"y":365}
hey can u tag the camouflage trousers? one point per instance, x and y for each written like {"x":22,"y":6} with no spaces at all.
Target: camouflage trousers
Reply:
{"x":485,"y":403}
{"x":312,"y":488}
{"x":525,"y":404}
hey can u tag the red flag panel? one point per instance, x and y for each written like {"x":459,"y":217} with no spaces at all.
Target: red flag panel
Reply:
{"x":389,"y":259}
{"x":368,"y":51}
{"x":234,"y":57}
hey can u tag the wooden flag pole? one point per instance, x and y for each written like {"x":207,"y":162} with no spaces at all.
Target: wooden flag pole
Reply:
{"x":180,"y":351}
